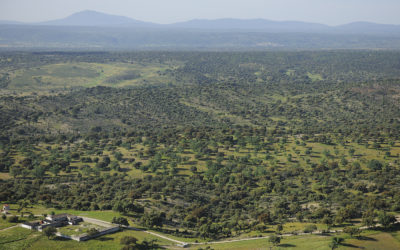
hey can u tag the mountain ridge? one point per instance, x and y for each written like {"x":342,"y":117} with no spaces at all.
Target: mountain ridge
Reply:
{"x":257,"y":24}
{"x":92,"y":18}
{"x":95,"y":30}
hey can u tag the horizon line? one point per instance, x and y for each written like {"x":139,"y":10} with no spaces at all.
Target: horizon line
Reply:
{"x":195,"y":19}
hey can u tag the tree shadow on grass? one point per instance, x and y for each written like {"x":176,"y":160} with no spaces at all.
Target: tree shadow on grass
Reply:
{"x":366,"y":238}
{"x":58,"y":238}
{"x":392,"y":228}
{"x":105,"y":238}
{"x":325,"y":234}
{"x":395,"y":227}
{"x":350,"y":245}
{"x":286,"y":245}
{"x":269,"y":231}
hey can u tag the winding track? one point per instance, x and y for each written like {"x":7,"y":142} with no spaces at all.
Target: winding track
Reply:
{"x":4,"y":229}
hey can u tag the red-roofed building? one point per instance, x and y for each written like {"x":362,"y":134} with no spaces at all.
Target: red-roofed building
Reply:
{"x":6,"y":208}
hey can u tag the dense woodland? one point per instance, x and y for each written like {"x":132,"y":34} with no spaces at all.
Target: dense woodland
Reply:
{"x":224,"y":143}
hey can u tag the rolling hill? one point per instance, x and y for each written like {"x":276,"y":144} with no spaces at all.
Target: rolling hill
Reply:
{"x":94,"y":18}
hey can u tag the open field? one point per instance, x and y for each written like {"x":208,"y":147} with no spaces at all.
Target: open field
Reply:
{"x":308,"y":242}
{"x":40,"y":210}
{"x":20,"y":238}
{"x":370,"y":239}
{"x":374,"y":241}
{"x":67,"y":76}
{"x":81,"y":228}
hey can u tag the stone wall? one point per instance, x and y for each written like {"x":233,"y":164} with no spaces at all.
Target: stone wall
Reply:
{"x":85,"y":237}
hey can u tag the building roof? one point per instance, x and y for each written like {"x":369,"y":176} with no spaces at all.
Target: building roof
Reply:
{"x":58,"y":216}
{"x":31,"y":223}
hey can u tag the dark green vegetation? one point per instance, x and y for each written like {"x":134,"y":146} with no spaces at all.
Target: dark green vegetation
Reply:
{"x":205,"y":145}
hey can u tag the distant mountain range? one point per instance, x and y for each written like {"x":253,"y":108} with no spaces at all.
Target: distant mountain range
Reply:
{"x":251,"y":25}
{"x":91,"y":18}
{"x":94,"y":18}
{"x":95,"y":30}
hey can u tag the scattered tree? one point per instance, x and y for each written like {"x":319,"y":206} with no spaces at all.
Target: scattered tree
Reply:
{"x":386,"y":219}
{"x":352,"y":231}
{"x":120,"y":221}
{"x":92,"y":232}
{"x":128,"y":240}
{"x":310,"y":228}
{"x":274,"y":240}
{"x":13,"y":219}
{"x":50,"y":231}
{"x":336,"y":241}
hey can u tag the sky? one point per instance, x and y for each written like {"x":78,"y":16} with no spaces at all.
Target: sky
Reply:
{"x":331,"y":12}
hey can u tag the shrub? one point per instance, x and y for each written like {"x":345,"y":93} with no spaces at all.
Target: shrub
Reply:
{"x":92,"y":232}
{"x":310,"y":228}
{"x":49,"y":231}
{"x":128,"y":240}
{"x":13,"y":219}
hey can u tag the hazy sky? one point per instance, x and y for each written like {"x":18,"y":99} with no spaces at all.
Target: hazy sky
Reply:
{"x":331,"y":12}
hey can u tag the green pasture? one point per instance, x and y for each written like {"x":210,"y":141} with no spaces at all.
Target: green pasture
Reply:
{"x":64,"y":76}
{"x":21,"y":238}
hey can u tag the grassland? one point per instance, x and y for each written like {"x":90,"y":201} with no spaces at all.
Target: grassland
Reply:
{"x":20,"y":238}
{"x":315,"y":77}
{"x":374,"y":241}
{"x":66,"y":76}
{"x":370,"y":240}
{"x":81,"y":228}
{"x":5,"y":224}
{"x":39,"y":210}
{"x":33,"y":240}
{"x":296,"y":242}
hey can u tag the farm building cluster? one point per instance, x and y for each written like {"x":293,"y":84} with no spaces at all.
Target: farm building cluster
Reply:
{"x":58,"y":220}
{"x":61,"y":220}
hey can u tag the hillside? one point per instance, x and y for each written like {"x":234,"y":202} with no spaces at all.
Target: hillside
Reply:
{"x":94,"y":18}
{"x":203,"y":146}
{"x":210,"y":88}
